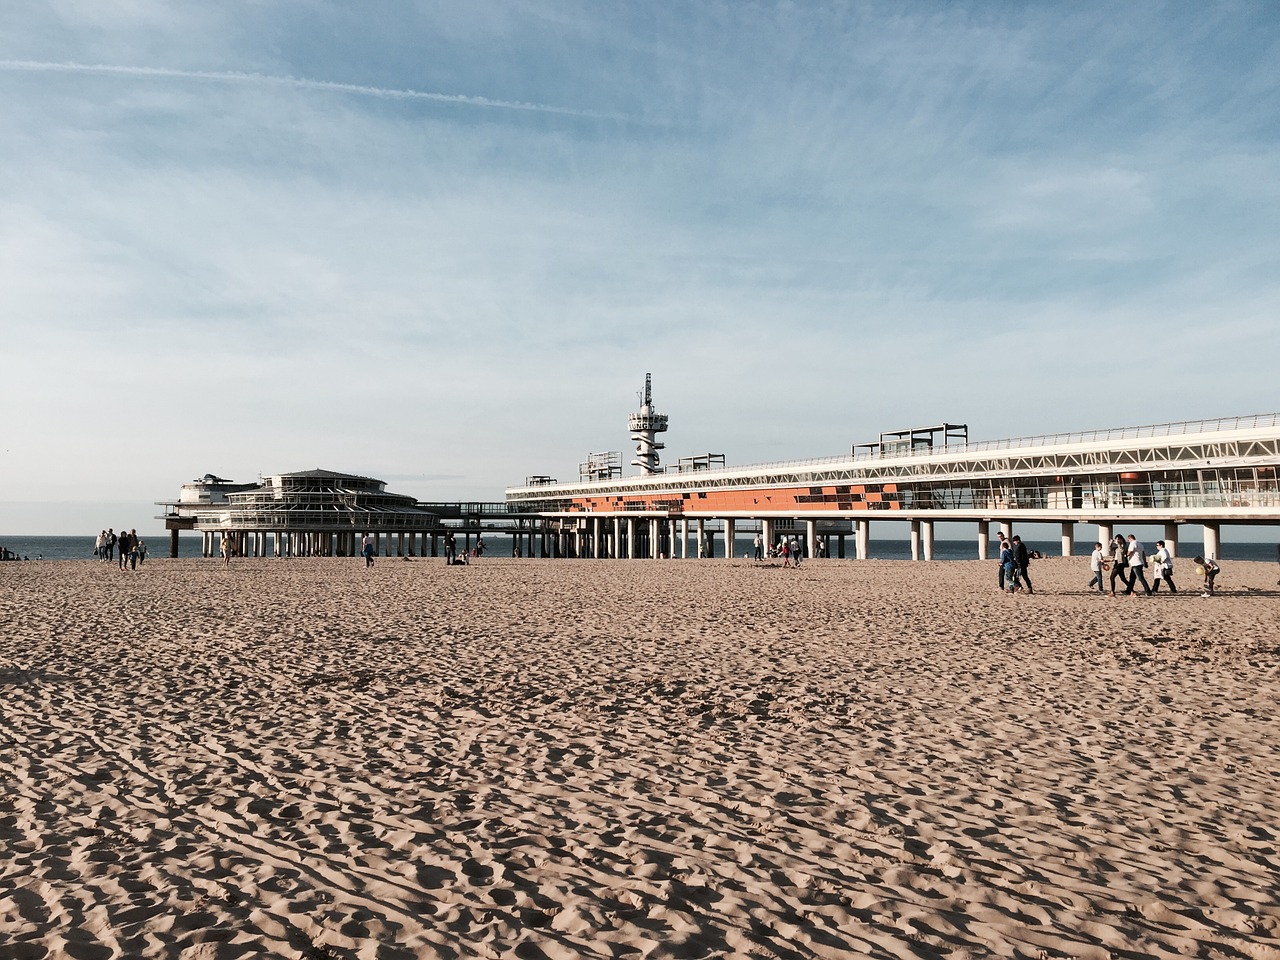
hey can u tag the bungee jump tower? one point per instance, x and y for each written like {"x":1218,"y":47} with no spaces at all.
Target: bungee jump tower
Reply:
{"x":645,"y":427}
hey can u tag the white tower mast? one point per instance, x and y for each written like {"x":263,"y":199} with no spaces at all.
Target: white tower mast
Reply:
{"x":645,"y":426}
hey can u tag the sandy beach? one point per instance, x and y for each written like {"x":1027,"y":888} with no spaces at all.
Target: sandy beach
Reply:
{"x":308,"y":759}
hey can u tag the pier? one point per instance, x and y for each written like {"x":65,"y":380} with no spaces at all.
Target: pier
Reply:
{"x":1203,"y":473}
{"x":1200,"y":474}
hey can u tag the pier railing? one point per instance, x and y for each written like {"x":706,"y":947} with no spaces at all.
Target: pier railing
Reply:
{"x":1179,"y":428}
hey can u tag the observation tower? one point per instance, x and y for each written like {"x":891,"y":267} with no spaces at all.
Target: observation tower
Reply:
{"x":645,"y":426}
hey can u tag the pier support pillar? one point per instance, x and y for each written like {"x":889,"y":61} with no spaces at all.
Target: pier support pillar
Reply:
{"x":1212,"y":541}
{"x":1105,"y":533}
{"x":840,"y":546}
{"x":1006,"y":527}
{"x":926,"y":538}
{"x":596,"y":535}
{"x":702,"y":537}
{"x":684,"y":538}
{"x":1068,"y":537}
{"x":915,"y":539}
{"x":984,"y":539}
{"x":811,"y":538}
{"x":615,"y":548}
{"x":631,"y":538}
{"x":766,"y":531}
{"x":730,"y":529}
{"x":1171,"y":538}
{"x":711,"y":544}
{"x":862,"y":540}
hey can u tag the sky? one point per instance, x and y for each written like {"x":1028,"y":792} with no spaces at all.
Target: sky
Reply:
{"x":442,"y":243}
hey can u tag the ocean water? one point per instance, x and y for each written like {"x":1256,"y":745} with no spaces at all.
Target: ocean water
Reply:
{"x":81,"y":548}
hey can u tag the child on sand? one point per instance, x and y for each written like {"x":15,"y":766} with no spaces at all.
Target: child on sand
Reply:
{"x":1209,"y":569}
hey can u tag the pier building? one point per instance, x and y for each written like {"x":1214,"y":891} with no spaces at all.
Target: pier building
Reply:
{"x":1205,"y":473}
{"x":309,"y":513}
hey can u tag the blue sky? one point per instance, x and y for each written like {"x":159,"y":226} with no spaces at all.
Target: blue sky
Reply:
{"x":442,"y":243}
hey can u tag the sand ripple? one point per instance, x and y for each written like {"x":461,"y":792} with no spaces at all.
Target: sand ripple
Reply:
{"x":633,"y":759}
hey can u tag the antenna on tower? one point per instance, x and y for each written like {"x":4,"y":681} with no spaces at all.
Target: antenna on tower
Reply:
{"x":645,"y":427}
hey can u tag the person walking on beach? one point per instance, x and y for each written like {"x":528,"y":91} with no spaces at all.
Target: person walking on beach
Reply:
{"x":1023,"y":560}
{"x":1137,"y":558}
{"x":366,"y":550}
{"x":795,"y":552}
{"x":1163,"y":569}
{"x":450,"y":549}
{"x":133,"y":549}
{"x":1097,"y":563}
{"x":1008,"y":567}
{"x":759,"y":547}
{"x":99,"y":545}
{"x":123,"y":547}
{"x":226,"y":549}
{"x":1000,"y":562}
{"x":142,"y":552}
{"x":785,"y":550}
{"x":111,"y":544}
{"x":1118,"y":562}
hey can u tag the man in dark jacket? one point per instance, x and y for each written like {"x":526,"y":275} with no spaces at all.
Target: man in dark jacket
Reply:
{"x":1023,"y":561}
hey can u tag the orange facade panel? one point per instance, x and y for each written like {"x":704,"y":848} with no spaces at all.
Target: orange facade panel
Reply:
{"x":788,"y":501}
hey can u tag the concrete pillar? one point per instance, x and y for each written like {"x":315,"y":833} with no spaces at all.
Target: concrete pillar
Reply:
{"x":926,"y":538}
{"x":616,"y":546}
{"x":711,"y":544}
{"x":684,"y":538}
{"x":1006,"y":527}
{"x":1212,"y":541}
{"x":654,"y":543}
{"x":1105,"y":533}
{"x":1171,"y":538}
{"x":915,"y":539}
{"x":766,"y":532}
{"x":1068,"y":537}
{"x":862,"y":540}
{"x":811,"y":536}
{"x":840,"y":546}
{"x":730,"y":528}
{"x":702,"y":537}
{"x":984,"y":539}
{"x":631,"y":538}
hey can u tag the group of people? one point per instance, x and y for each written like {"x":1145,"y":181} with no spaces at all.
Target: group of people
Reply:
{"x":788,"y":549}
{"x":127,"y":549}
{"x":1015,"y":565}
{"x":1126,"y":559}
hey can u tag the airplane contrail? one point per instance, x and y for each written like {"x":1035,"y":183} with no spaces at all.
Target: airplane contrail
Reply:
{"x":228,"y":76}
